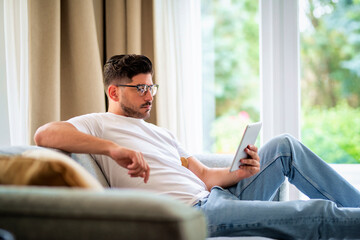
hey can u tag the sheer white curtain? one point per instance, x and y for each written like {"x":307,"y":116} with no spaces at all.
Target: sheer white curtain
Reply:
{"x":177,"y":27}
{"x":4,"y":119}
{"x":16,"y":68}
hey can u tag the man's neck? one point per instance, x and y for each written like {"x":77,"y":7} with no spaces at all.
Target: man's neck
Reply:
{"x":115,"y":110}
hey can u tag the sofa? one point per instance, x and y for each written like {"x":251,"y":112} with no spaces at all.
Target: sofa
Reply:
{"x":44,"y":212}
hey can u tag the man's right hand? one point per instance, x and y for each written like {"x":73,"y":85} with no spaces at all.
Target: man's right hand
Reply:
{"x":131,"y":160}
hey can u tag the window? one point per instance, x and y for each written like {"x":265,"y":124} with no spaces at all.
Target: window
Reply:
{"x":330,"y":81}
{"x":231,"y":92}
{"x":284,"y":28}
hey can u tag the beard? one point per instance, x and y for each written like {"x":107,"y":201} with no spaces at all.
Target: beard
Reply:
{"x":131,"y":110}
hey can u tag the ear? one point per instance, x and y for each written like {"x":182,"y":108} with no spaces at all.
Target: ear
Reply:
{"x":113,"y":93}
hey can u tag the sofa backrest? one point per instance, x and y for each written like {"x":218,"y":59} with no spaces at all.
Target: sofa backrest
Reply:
{"x":89,"y":163}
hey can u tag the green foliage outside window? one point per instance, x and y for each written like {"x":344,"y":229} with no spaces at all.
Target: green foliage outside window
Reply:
{"x":330,"y":60}
{"x":334,"y":133}
{"x":236,"y":47}
{"x":330,"y":75}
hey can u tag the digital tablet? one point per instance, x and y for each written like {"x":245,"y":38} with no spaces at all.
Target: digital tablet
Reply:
{"x":249,"y":138}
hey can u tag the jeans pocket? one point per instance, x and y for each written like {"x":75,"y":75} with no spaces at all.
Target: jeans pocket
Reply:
{"x":218,"y":187}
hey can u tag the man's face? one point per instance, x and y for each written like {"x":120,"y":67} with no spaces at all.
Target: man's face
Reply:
{"x":131,"y":103}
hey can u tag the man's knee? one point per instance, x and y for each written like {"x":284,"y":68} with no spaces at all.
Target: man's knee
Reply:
{"x":282,"y":138}
{"x":285,"y":138}
{"x":280,"y":143}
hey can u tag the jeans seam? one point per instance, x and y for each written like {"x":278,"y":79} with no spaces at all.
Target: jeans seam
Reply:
{"x":309,"y":180}
{"x":270,"y":163}
{"x":280,"y":221}
{"x":317,"y":218}
{"x":312,"y":183}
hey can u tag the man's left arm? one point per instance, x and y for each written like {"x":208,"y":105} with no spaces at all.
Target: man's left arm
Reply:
{"x":222,"y":176}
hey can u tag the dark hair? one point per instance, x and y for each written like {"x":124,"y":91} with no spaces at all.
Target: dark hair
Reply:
{"x":121,"y":68}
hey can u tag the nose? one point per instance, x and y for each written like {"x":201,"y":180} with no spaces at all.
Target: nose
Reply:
{"x":148,"y":96}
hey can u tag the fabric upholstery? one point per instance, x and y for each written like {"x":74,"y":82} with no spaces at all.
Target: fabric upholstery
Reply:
{"x":73,"y":213}
{"x":55,"y":213}
{"x":215,"y":160}
{"x":92,"y":167}
{"x":16,"y":150}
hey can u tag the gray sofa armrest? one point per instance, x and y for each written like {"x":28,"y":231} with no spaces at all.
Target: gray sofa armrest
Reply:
{"x":63,"y":213}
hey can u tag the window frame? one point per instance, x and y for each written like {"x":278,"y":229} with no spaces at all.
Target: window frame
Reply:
{"x":279,"y":68}
{"x":280,"y":72}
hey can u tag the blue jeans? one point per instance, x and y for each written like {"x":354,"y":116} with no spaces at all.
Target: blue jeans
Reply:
{"x":246,"y":208}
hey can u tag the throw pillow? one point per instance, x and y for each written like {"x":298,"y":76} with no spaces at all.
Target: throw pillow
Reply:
{"x":45,"y":168}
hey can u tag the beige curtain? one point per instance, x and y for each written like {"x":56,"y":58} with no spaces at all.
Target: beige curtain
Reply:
{"x":69,"y":40}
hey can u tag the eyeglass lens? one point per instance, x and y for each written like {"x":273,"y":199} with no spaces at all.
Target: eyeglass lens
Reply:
{"x":142,"y":89}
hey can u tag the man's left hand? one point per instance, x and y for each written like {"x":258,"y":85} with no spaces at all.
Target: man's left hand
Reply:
{"x":249,"y":166}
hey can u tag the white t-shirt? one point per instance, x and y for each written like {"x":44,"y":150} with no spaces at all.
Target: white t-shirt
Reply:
{"x":159,"y":147}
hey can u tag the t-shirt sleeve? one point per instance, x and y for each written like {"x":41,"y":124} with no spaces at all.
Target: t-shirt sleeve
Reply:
{"x":89,"y":124}
{"x":181,"y":150}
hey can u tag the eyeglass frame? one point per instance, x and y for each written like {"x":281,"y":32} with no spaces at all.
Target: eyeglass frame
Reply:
{"x":146,"y":88}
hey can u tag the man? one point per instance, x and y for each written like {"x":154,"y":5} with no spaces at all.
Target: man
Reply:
{"x":136,"y":154}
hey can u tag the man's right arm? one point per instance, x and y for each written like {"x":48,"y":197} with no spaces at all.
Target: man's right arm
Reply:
{"x":64,"y":136}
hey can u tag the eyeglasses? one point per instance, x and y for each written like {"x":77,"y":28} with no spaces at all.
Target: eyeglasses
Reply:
{"x":143,"y":88}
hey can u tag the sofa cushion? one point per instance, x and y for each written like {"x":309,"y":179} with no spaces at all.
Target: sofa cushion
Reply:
{"x":45,"y":168}
{"x":68,"y":213}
